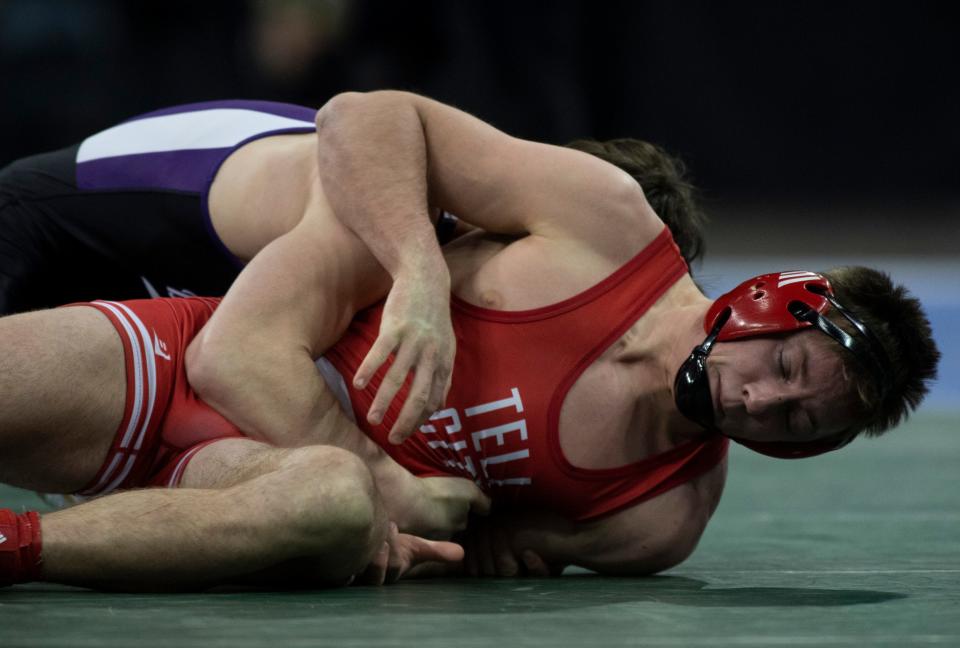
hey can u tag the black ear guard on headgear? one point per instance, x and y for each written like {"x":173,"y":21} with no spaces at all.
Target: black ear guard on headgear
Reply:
{"x":866,"y":348}
{"x":767,"y":304}
{"x":691,"y":387}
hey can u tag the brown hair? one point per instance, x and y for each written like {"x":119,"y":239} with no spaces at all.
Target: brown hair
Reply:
{"x":663,"y":180}
{"x":897,"y":319}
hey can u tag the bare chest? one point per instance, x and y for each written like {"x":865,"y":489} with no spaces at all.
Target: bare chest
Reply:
{"x":602,"y":419}
{"x":503,"y":273}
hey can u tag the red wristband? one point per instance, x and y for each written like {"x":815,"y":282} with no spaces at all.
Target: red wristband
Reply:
{"x":20,"y":545}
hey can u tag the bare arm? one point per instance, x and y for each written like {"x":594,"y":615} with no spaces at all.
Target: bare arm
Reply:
{"x":644,"y":539}
{"x":386,"y":157}
{"x":254,"y":361}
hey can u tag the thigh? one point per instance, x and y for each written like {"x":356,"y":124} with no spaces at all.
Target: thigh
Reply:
{"x":223,"y":463}
{"x":62,"y":390}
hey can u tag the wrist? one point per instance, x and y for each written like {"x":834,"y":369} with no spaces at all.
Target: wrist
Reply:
{"x":423,"y":264}
{"x":404,"y":500}
{"x":399,"y":488}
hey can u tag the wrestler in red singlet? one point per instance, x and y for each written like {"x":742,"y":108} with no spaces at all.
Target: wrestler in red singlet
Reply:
{"x":500,"y":425}
{"x":512,"y":372}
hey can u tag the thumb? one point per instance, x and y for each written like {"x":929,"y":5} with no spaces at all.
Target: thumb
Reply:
{"x":422,"y":550}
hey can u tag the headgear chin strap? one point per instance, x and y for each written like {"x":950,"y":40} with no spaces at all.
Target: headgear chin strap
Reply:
{"x":768,"y":304}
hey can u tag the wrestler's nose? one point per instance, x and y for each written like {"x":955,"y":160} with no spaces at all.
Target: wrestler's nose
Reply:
{"x":760,"y":399}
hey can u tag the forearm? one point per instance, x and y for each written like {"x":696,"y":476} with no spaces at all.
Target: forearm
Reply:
{"x":372,"y":156}
{"x":276,"y":395}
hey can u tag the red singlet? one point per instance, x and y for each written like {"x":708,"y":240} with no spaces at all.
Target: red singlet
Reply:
{"x":164,"y":422}
{"x":513,"y":370}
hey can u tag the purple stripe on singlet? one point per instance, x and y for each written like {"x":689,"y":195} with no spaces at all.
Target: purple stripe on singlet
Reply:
{"x":180,"y":148}
{"x":292,"y":111}
{"x":168,"y":170}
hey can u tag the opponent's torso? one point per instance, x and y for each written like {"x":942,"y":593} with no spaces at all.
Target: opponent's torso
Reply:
{"x":183,"y":149}
{"x":535,"y":414}
{"x":126,"y":213}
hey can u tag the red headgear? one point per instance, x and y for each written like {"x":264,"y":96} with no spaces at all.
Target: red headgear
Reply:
{"x":781,"y":302}
{"x":759,"y":306}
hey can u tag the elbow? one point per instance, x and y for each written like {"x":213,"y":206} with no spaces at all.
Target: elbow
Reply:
{"x":352,"y":104}
{"x":332,"y":120}
{"x":339,"y":105}
{"x":207,"y":371}
{"x":354,"y":128}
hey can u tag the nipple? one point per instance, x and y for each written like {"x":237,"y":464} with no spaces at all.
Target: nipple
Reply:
{"x":491,"y":299}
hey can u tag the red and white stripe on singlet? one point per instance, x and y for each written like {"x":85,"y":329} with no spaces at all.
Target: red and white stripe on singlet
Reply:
{"x":139,"y":420}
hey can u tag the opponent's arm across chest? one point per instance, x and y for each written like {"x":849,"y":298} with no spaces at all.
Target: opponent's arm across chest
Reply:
{"x":386,"y":157}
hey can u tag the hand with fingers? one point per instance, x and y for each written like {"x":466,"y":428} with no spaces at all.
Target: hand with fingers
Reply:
{"x":401,"y":552}
{"x":443,"y":506}
{"x":416,"y":328}
{"x":489,"y":552}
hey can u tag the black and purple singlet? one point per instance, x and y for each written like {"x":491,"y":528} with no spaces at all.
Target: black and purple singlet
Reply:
{"x":124,"y":214}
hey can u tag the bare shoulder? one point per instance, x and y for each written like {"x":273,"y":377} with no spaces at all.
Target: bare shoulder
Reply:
{"x":613,"y":217}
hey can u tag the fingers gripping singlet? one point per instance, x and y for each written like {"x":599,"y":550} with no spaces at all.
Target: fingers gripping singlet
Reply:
{"x":512,"y":371}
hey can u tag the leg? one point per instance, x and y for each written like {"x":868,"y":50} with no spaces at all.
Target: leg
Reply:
{"x":293,"y":517}
{"x":62,"y":390}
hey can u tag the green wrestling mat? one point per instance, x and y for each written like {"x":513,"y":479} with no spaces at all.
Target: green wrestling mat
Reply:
{"x":857,"y":549}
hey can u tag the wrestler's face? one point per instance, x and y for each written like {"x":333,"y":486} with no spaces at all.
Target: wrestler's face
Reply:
{"x":780,"y":388}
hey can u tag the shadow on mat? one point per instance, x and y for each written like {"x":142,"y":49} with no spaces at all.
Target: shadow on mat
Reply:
{"x":587,"y":590}
{"x":525,"y":596}
{"x":474,"y":597}
{"x":779,"y":597}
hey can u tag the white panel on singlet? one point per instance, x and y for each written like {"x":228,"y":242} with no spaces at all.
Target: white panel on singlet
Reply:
{"x":199,"y":129}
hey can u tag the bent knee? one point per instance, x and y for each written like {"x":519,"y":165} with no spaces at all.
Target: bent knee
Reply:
{"x":335,"y":503}
{"x":331,"y":471}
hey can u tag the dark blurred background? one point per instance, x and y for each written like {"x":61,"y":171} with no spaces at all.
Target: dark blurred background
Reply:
{"x":818,"y":130}
{"x":765,"y":100}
